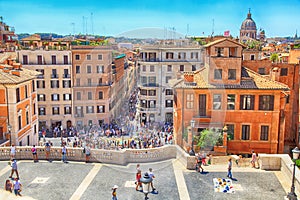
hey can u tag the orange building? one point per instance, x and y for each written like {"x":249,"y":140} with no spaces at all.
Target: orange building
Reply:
{"x":224,"y":92}
{"x":18,"y":116}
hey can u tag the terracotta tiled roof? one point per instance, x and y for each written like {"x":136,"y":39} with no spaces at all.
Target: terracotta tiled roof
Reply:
{"x":222,"y":40}
{"x":249,"y":80}
{"x":9,"y":78}
{"x":32,"y":38}
{"x":294,"y":56}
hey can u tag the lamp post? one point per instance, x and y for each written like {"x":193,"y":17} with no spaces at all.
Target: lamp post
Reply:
{"x":192,"y":152}
{"x":146,"y":180}
{"x":292,"y":195}
{"x":9,"y":132}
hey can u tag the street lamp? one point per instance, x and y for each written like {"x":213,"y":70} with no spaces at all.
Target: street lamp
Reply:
{"x":292,"y":195}
{"x":192,"y":152}
{"x":146,"y":180}
{"x":9,"y":131}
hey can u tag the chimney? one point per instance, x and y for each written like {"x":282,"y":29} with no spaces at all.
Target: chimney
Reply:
{"x":274,"y":74}
{"x":16,"y":73}
{"x":189,"y":77}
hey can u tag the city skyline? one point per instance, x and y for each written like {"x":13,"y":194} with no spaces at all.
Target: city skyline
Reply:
{"x":137,"y":18}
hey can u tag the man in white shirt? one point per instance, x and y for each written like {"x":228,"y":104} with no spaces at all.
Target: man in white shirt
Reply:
{"x":17,"y":187}
{"x":151,"y":175}
{"x":12,"y":151}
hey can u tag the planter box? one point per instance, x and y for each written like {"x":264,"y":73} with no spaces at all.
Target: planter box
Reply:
{"x":220,"y":149}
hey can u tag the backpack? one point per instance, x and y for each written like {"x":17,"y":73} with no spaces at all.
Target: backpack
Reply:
{"x":83,"y":151}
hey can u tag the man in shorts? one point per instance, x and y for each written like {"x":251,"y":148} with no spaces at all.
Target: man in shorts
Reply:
{"x":47,"y":150}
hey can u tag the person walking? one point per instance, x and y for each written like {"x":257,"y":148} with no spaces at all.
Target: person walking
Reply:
{"x":34,"y":153}
{"x":151,"y":175}
{"x":138,"y":180}
{"x":253,"y":158}
{"x":47,"y":150}
{"x":199,"y":163}
{"x":87,"y":153}
{"x":17,"y":187}
{"x":12,"y":151}
{"x":14,"y":168}
{"x":114,"y":192}
{"x":229,"y":173}
{"x":64,"y":153}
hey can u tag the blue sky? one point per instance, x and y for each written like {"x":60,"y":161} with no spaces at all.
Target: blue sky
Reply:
{"x":192,"y":17}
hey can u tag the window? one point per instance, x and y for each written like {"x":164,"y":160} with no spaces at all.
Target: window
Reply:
{"x":53,"y":60}
{"x":230,"y":131}
{"x":18,"y":95}
{"x":151,"y":104}
{"x":79,"y":111}
{"x":89,"y":82}
{"x":55,"y":110}
{"x":181,"y":55}
{"x":264,"y":133}
{"x":230,"y":102}
{"x":266,"y":102}
{"x":152,"y":92}
{"x":67,"y":97}
{"x":151,"y":68}
{"x":169,"y":103}
{"x":144,"y":68}
{"x":25,"y":60}
{"x":181,"y":68}
{"x":219,"y":51}
{"x":100,"y":95}
{"x":194,"y":68}
{"x":144,"y":80}
{"x":54,"y":73}
{"x":169,"y":55}
{"x":40,"y":84}
{"x":66,"y":83}
{"x":39,"y":60}
{"x":190,"y":101}
{"x":100,"y":69}
{"x":100,"y":81}
{"x":143,"y":103}
{"x":168,"y":78}
{"x":77,"y":69}
{"x":41,"y":97}
{"x":90,"y":96}
{"x":261,"y":71}
{"x":169,"y":92}
{"x":66,"y":73}
{"x":66,"y":60}
{"x":78,"y":82}
{"x":100,"y":57}
{"x":152,"y":80}
{"x":26,"y":91}
{"x":20,"y":122}
{"x":217,"y":101}
{"x":55,"y":97}
{"x":283,"y":72}
{"x":218,"y":74}
{"x":169,"y":68}
{"x":245,"y":132}
{"x":231,"y":74}
{"x":77,"y":57}
{"x":78,"y":95}
{"x":247,"y":102}
{"x":252,"y":57}
{"x":67,"y":110}
{"x":88,"y":57}
{"x":27,"y":117}
{"x":89,"y":109}
{"x":143,"y":92}
{"x":100,"y":109}
{"x":34,"y":108}
{"x":88,"y":69}
{"x":202,"y":104}
{"x":55,"y":84}
{"x":33,"y":85}
{"x":194,"y":55}
{"x":42,"y":111}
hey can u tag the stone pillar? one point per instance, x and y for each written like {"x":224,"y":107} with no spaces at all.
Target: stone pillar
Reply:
{"x":225,"y":139}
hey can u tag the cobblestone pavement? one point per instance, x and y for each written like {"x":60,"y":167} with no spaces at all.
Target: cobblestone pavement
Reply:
{"x":59,"y":181}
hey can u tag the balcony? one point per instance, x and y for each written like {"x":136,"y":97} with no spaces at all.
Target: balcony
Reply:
{"x":54,"y":75}
{"x":66,"y":75}
{"x":41,"y":76}
{"x":79,"y":115}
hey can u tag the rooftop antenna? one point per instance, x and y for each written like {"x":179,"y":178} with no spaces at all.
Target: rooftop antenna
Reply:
{"x":86,"y":19}
{"x":187,"y":29}
{"x":82,"y":24}
{"x":92,"y":23}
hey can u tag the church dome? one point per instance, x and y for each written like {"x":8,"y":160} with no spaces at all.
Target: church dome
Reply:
{"x":248,"y":23}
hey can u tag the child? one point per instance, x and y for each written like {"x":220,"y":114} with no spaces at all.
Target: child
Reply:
{"x":138,"y":180}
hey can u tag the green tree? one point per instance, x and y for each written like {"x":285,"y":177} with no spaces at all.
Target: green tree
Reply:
{"x":208,"y":138}
{"x":274,"y":57}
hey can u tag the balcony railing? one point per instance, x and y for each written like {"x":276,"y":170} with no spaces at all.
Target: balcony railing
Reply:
{"x":54,"y":75}
{"x":66,"y":75}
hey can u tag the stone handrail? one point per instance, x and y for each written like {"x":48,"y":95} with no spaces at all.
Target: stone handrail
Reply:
{"x":120,"y":157}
